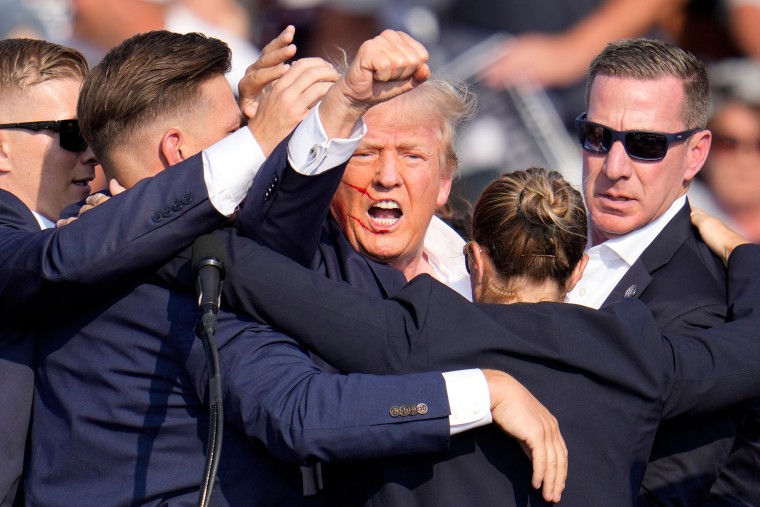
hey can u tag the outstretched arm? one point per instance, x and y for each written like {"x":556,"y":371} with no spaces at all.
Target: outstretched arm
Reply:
{"x":289,"y":200}
{"x":60,"y":269}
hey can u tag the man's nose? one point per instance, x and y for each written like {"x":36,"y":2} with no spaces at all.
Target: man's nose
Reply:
{"x":388,"y":174}
{"x":617,"y":163}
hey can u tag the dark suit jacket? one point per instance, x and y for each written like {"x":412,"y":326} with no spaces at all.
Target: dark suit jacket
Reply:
{"x":121,"y":414}
{"x":608,"y":376}
{"x":683,"y":284}
{"x":45,"y":275}
{"x":677,"y":277}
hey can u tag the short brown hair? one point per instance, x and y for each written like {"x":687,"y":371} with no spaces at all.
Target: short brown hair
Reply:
{"x":653,"y":59}
{"x":533,"y":224}
{"x":143,"y":78}
{"x":27,"y":62}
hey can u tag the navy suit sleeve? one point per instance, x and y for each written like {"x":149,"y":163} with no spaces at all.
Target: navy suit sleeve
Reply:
{"x":276,"y":395}
{"x":705,"y":370}
{"x":285,"y":210}
{"x":720,"y":366}
{"x":132,"y":231}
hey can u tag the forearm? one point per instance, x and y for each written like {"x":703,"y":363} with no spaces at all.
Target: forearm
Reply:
{"x":613,"y":20}
{"x":127,"y":234}
{"x":718,"y":367}
{"x":276,"y":395}
{"x":290,"y":198}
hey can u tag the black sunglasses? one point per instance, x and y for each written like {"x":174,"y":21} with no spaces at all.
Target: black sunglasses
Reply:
{"x":71,"y":137}
{"x":639,"y":144}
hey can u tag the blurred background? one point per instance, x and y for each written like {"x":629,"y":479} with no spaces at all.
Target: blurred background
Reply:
{"x":526,"y":60}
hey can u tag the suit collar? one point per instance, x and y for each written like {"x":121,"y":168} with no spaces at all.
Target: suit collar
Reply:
{"x":354,"y":266}
{"x":656,"y":255}
{"x":16,"y":214}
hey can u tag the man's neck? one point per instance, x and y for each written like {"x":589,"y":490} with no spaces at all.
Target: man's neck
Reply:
{"x":414,"y":265}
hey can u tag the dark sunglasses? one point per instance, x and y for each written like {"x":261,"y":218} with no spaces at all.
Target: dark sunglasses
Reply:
{"x":71,"y":137}
{"x":639,"y":144}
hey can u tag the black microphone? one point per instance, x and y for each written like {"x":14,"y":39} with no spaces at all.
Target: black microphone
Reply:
{"x":209,"y":258}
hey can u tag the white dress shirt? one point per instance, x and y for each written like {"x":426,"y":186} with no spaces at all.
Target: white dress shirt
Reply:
{"x":610,"y":261}
{"x":444,"y":250}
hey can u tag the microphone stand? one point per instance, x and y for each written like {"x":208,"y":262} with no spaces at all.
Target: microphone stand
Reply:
{"x":205,"y":331}
{"x":208,"y":265}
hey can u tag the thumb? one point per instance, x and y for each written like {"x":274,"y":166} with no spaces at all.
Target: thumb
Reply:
{"x":115,"y":187}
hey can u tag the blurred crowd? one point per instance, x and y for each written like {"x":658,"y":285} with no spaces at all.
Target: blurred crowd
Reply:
{"x":527,"y":63}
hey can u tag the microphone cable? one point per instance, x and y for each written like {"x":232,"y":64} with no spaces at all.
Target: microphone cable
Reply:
{"x":208,"y":265}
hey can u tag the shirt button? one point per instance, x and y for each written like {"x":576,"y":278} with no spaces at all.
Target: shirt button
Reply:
{"x":582,"y":292}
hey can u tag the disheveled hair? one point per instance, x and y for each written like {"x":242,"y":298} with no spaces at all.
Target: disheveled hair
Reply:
{"x":454,"y":104}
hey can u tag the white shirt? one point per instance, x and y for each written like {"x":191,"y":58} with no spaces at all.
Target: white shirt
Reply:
{"x":444,"y":250}
{"x":610,"y":261}
{"x":44,"y":222}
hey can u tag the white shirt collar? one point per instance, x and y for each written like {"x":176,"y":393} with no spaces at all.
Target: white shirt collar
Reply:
{"x":444,"y":250}
{"x":44,"y":222}
{"x":630,"y":246}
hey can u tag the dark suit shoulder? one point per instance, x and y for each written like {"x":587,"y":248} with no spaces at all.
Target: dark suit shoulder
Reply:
{"x":15,"y":214}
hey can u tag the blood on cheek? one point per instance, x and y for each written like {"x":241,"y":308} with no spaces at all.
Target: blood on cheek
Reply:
{"x":364,"y":192}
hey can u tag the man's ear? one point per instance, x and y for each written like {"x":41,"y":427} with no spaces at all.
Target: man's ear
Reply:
{"x":698,"y":146}
{"x":171,"y":147}
{"x":444,"y":190}
{"x":5,"y":159}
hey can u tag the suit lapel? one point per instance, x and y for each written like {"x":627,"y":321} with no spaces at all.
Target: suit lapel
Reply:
{"x":360,"y":272}
{"x":656,"y":255}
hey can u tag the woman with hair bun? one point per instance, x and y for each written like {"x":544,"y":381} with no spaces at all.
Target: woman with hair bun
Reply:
{"x":531,"y":226}
{"x":609,"y":376}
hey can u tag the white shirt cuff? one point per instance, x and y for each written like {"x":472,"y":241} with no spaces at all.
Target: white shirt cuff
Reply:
{"x":469,"y":400}
{"x":310,"y":152}
{"x":229,"y":167}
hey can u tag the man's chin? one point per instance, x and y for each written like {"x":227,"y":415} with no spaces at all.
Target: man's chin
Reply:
{"x":380,"y":251}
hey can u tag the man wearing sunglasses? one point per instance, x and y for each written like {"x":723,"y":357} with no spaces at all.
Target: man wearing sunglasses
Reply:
{"x":643,"y":140}
{"x":132,"y":422}
{"x":48,"y":273}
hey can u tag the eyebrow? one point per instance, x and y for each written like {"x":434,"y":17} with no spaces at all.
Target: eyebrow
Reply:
{"x":411,"y":144}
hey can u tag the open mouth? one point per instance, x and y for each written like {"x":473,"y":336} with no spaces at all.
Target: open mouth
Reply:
{"x":385,"y":213}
